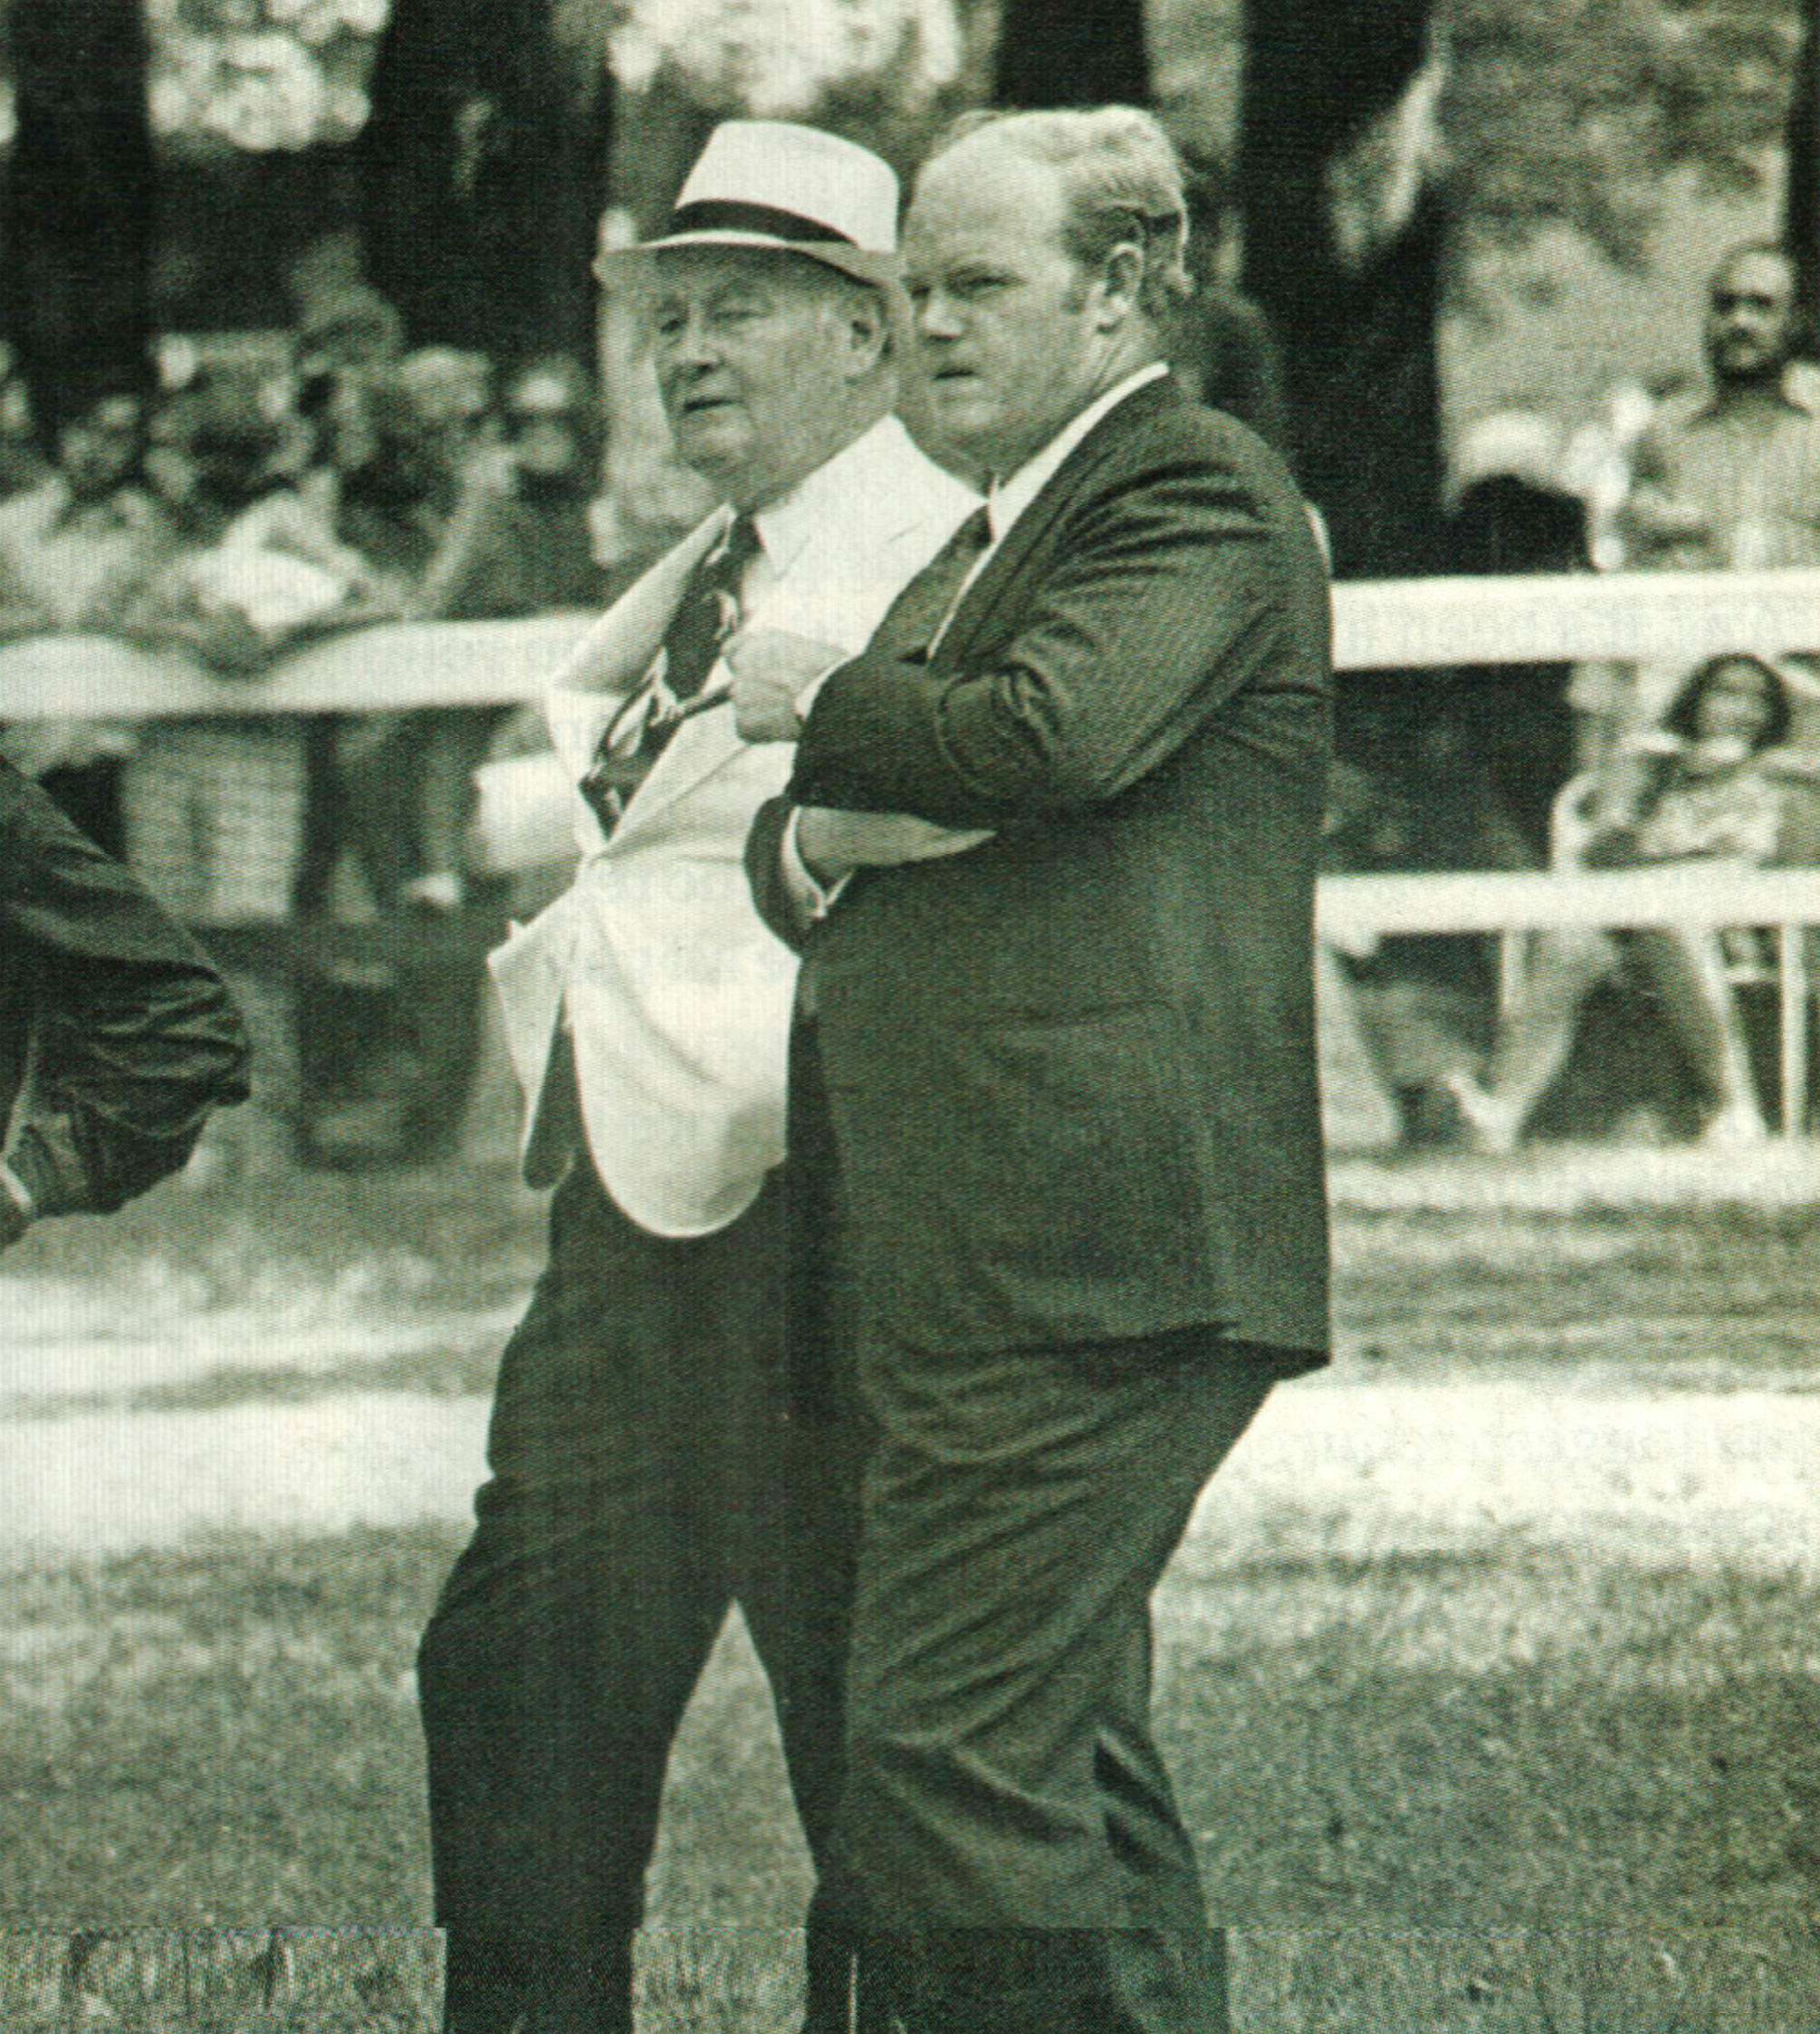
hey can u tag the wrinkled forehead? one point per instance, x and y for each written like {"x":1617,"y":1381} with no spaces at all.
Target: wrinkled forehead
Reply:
{"x":683,"y":277}
{"x":982,"y":194}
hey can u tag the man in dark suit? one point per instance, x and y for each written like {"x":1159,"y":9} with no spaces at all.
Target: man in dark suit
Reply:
{"x":1049,"y":847}
{"x":117,"y":1038}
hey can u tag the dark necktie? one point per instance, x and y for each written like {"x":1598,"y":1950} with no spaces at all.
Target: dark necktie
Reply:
{"x":707,"y":613}
{"x":919,"y":613}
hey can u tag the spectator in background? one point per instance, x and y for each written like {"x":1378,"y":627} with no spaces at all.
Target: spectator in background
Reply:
{"x":216,"y":807}
{"x":1457,"y":769}
{"x":75,"y":551}
{"x":390,"y":483}
{"x":347,"y":334}
{"x":1716,"y":786}
{"x":401,"y":779}
{"x":451,"y":392}
{"x":348,"y":329}
{"x":1728,"y":475}
{"x":1219,"y":346}
{"x":1511,"y":515}
{"x":385,"y":480}
{"x":259,"y":563}
{"x":521,"y":542}
{"x":1423,"y":800}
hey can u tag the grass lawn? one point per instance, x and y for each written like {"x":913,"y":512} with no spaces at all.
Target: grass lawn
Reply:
{"x":1488,"y":1672}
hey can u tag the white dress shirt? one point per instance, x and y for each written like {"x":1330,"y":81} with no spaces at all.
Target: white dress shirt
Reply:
{"x":1007,"y":499}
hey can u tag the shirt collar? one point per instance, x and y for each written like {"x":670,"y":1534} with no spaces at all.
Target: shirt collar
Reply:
{"x":1009,"y":499}
{"x":829,"y":498}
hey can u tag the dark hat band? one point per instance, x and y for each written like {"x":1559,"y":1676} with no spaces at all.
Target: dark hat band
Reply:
{"x":727,"y":216}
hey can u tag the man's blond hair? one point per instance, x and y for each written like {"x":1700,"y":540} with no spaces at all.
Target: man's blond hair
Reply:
{"x":1121,"y":185}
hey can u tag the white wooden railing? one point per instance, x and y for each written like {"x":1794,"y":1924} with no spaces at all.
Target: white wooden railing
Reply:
{"x":1381,"y":625}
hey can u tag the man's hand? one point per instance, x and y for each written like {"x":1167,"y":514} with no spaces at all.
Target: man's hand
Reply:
{"x":833,"y":844}
{"x":769,"y":669}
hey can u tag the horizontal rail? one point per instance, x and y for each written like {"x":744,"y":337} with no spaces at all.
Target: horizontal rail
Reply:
{"x":1571,"y":617}
{"x":1378,"y":624}
{"x":1352,"y":910}
{"x":391,"y":665}
{"x":1698,"y":895}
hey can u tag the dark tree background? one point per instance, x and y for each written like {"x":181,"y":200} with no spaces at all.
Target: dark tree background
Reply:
{"x":80,"y":202}
{"x":482,"y":174}
{"x":1801,"y":199}
{"x":1357,"y":335}
{"x":1357,"y":331}
{"x":1073,"y":54}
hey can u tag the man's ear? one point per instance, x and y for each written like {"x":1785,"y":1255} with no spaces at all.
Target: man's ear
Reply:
{"x":867,"y":331}
{"x":1121,"y":282}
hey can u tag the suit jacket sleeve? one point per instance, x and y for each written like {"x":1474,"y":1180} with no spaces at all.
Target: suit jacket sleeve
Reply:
{"x":1139,"y":630}
{"x":133,"y":1037}
{"x":764,"y":872}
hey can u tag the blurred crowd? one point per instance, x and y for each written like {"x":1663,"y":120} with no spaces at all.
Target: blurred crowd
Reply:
{"x":273,"y":489}
{"x":269,"y":491}
{"x":1600,"y":764}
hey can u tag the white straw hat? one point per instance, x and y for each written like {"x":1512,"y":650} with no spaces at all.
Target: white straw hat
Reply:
{"x":775,"y":183}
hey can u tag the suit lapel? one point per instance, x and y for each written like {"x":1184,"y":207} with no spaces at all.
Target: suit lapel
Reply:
{"x":1077,"y":476}
{"x":710,"y":742}
{"x":634,"y":626}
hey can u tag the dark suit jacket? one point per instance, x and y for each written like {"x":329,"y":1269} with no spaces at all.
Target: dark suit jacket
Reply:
{"x":1071,"y":1073}
{"x":112,"y":1023}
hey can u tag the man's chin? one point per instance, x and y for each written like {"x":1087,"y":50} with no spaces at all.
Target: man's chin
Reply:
{"x":962,"y":412}
{"x":711,"y":439}
{"x":1748,"y":364}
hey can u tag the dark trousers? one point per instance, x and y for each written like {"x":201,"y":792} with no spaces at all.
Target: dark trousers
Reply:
{"x":1010,"y":1844}
{"x":645,"y":1474}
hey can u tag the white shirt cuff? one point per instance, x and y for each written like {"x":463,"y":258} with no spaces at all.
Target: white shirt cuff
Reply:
{"x":812,"y":900}
{"x":16,"y":1191}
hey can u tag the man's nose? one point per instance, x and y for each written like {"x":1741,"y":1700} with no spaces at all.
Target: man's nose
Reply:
{"x":689,"y":344}
{"x":938,"y":316}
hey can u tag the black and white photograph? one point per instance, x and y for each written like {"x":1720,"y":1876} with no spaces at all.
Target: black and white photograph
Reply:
{"x":909,"y":1016}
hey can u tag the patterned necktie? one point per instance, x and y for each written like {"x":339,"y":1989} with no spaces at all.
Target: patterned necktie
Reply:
{"x":707,"y":613}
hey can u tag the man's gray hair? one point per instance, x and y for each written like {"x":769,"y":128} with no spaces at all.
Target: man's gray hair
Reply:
{"x":1122,"y":182}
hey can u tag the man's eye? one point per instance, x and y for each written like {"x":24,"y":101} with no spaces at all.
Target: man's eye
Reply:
{"x":981,"y":285}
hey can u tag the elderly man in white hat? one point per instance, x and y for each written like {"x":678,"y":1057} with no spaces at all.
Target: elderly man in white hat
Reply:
{"x":650,"y":1463}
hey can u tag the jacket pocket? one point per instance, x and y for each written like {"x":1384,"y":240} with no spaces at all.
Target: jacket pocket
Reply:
{"x":1021,"y":1180}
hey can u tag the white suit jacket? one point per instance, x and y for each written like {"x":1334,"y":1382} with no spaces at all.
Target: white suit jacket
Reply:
{"x":676,"y":996}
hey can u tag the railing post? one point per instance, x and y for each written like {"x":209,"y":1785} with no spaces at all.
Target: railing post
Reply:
{"x":1791,"y":957}
{"x":1513,"y":952}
